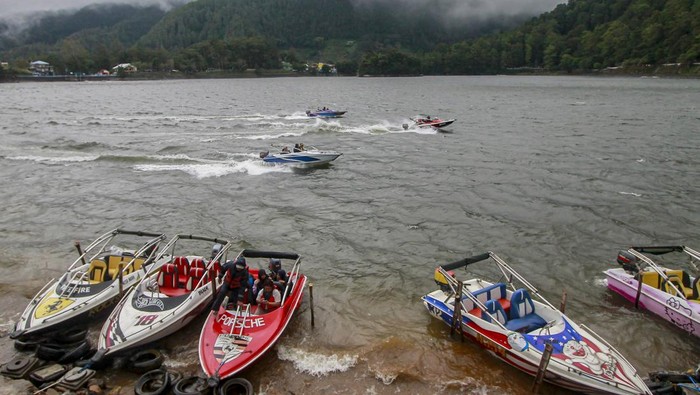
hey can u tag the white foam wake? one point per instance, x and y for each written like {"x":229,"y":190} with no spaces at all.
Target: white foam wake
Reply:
{"x":62,"y":159}
{"x":316,"y":364}
{"x":218,"y":169}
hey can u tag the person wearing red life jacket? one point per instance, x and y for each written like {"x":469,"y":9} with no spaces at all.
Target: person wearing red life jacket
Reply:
{"x":269,"y":298}
{"x":235,"y":276}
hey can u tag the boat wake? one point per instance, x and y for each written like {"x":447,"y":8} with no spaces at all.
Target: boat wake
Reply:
{"x":316,"y":364}
{"x":253,"y":167}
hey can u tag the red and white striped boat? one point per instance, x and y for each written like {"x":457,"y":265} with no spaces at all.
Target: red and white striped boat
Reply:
{"x":169,"y":296}
{"x":510,"y":325}
{"x":233,"y":339}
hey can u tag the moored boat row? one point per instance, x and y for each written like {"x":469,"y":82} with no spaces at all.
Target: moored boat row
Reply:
{"x":160,"y":289}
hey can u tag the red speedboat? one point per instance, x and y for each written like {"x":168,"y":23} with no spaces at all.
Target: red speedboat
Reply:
{"x":232,"y":339}
{"x":425,"y":121}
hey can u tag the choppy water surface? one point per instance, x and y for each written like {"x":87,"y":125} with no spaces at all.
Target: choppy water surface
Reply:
{"x":554,"y":174}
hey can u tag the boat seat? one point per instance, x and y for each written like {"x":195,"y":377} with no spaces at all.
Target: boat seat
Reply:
{"x":493,"y":292}
{"x":197,"y":263}
{"x":196,"y":273}
{"x":687,"y":293}
{"x":217,"y":267}
{"x":652,"y":279}
{"x":183,"y":269}
{"x":494,"y":310}
{"x":696,"y":288}
{"x":523,"y":317}
{"x":167,"y":278}
{"x":682,"y":275}
{"x":97,"y":270}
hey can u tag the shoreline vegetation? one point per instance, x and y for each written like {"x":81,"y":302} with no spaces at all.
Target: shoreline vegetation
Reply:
{"x":666,"y":71}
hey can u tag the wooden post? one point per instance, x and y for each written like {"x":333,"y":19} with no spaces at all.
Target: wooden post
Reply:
{"x":562,"y":306}
{"x":121,"y":278}
{"x":639,"y":289}
{"x":80,"y":251}
{"x":457,"y":313}
{"x":212,"y":276}
{"x":311,"y":302}
{"x":542,"y":368}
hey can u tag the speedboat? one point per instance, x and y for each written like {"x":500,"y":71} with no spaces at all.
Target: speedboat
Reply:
{"x":167,"y":298}
{"x":328,"y":113}
{"x":232,"y":339}
{"x":96,"y":280}
{"x":425,"y":121}
{"x":672,"y":294}
{"x":307,"y":157}
{"x":503,"y":318}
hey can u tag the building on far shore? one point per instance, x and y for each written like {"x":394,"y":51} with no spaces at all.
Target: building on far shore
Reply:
{"x":40,"y":68}
{"x":127,"y":67}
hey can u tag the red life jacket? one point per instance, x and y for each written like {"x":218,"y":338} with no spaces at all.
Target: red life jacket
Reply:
{"x":234,"y":277}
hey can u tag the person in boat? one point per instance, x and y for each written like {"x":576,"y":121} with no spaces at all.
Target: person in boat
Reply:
{"x":297,"y":148}
{"x":277,"y":274}
{"x":258,"y":283}
{"x":269,"y":298}
{"x":301,"y":147}
{"x":285,"y":150}
{"x":235,"y":283}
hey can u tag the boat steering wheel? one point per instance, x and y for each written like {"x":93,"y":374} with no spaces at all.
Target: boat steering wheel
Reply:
{"x":548,"y":326}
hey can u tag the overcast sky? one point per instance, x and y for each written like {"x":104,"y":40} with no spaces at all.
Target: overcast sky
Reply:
{"x":9,"y":8}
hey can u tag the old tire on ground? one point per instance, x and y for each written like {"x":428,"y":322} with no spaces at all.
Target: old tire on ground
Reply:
{"x":146,"y":360}
{"x":192,"y":386}
{"x":76,"y":353}
{"x":237,"y":386}
{"x":72,"y":335}
{"x":154,"y":382}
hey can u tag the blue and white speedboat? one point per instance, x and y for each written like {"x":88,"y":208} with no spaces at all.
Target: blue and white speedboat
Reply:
{"x":325,"y":113}
{"x":310,"y":157}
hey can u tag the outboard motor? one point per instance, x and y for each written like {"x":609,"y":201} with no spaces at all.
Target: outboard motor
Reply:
{"x":441,"y":281}
{"x":627,"y":261}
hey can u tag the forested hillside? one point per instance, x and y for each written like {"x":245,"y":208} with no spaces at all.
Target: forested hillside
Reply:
{"x":583,"y":35}
{"x":370,"y":38}
{"x":93,"y":37}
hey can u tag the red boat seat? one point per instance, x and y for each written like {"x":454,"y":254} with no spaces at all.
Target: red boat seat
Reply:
{"x":217,"y":267}
{"x":183,"y":269}
{"x":167,"y":278}
{"x":196,"y":273}
{"x":197,"y":262}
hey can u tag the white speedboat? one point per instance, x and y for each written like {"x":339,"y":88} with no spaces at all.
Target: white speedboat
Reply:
{"x":505,"y":320}
{"x":167,"y":298}
{"x":95,"y":281}
{"x":310,"y":157}
{"x":672,"y":294}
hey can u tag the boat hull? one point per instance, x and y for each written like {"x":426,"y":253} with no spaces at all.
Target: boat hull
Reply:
{"x":325,"y":114}
{"x":436,"y":124}
{"x":578,"y":363}
{"x":51,"y":310}
{"x":682,"y":313}
{"x":145,"y":318}
{"x":230,"y":343}
{"x":303,"y":158}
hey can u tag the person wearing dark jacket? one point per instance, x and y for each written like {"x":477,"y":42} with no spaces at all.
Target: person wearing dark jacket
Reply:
{"x":235,"y":283}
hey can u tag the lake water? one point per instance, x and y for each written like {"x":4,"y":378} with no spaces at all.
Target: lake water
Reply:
{"x":554,"y":174}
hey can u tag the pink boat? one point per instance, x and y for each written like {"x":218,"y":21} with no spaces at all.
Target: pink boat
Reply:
{"x":672,"y":294}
